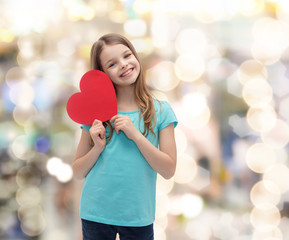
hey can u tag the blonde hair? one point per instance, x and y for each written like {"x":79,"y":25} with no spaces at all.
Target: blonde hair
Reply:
{"x":143,"y":97}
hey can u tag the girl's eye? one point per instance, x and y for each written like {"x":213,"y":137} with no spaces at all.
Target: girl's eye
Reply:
{"x":111,"y":65}
{"x":127,"y":55}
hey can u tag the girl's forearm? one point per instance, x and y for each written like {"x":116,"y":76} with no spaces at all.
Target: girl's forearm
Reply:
{"x":161,"y":162}
{"x":82,"y":165}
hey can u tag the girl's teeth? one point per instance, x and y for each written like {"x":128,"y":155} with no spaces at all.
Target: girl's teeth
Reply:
{"x":124,"y":74}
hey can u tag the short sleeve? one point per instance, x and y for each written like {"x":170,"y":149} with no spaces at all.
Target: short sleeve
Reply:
{"x":167,"y":116}
{"x":87,"y":127}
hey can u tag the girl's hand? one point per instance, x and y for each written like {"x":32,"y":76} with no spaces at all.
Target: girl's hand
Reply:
{"x":97,"y":133}
{"x":122,"y":122}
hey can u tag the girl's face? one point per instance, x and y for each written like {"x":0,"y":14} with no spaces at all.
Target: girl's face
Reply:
{"x":119,"y":63}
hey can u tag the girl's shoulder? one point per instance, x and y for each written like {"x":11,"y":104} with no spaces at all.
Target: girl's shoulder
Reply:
{"x":160,"y":105}
{"x":164,"y":114}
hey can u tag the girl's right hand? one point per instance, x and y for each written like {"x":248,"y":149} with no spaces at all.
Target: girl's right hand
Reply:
{"x":97,"y":133}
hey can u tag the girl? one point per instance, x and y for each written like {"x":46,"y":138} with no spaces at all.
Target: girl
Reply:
{"x":120,"y":159}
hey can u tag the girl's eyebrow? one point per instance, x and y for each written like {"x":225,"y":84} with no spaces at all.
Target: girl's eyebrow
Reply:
{"x":112,"y":59}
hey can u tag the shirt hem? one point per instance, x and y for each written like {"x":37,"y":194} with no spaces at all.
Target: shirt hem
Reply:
{"x":117,"y":223}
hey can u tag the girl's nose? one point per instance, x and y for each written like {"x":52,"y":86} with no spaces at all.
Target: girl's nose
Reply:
{"x":123,"y":64}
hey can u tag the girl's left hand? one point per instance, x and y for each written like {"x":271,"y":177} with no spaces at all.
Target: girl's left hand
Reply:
{"x":122,"y":122}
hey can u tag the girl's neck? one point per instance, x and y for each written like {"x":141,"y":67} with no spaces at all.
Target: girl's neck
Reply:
{"x":126,"y":99}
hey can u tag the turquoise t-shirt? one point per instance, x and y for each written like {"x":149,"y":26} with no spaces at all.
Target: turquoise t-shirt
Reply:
{"x":120,"y":189}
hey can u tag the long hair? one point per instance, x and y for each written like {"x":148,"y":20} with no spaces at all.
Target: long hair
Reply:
{"x":143,"y":97}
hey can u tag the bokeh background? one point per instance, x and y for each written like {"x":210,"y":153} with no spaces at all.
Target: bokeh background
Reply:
{"x":222,"y":65}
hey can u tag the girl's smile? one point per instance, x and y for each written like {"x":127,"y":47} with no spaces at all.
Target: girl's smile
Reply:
{"x":127,"y":72}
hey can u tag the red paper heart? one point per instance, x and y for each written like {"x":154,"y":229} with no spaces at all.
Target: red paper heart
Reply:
{"x":96,"y":99}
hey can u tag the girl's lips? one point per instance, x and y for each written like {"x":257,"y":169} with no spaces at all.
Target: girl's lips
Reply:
{"x":127,"y":72}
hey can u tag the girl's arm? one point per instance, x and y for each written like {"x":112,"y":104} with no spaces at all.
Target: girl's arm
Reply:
{"x":86,"y":155}
{"x":162,"y":160}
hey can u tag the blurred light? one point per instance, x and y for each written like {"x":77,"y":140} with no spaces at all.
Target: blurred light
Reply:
{"x":162,"y":76}
{"x":162,"y":223}
{"x":192,"y":205}
{"x":189,"y":67}
{"x":279,"y":175}
{"x":239,"y":125}
{"x":15,"y":75}
{"x":8,"y":131}
{"x":28,"y":176}
{"x":175,"y":6}
{"x":53,"y":165}
{"x":164,"y":186}
{"x":135,"y":27}
{"x":160,"y":234}
{"x":44,"y":95}
{"x":224,"y":228}
{"x":191,"y":41}
{"x":21,"y":147}
{"x":265,"y":217}
{"x":277,"y":136}
{"x":219,"y":69}
{"x":204,"y":89}
{"x":186,"y":169}
{"x":22,"y":94}
{"x":22,"y":15}
{"x":117,"y":16}
{"x":268,"y":232}
{"x":160,"y":30}
{"x":33,"y":222}
{"x":6,"y":35}
{"x":261,"y":197}
{"x":194,"y":112}
{"x":66,"y":47}
{"x":57,"y":139}
{"x":143,"y":6}
{"x":198,"y":230}
{"x":42,"y":144}
{"x":62,"y":171}
{"x":283,"y":108}
{"x":162,"y":205}
{"x":260,"y":157}
{"x":79,"y":11}
{"x":22,"y":115}
{"x":202,"y":180}
{"x":181,"y":141}
{"x":251,"y":7}
{"x":282,"y":10}
{"x":7,"y":104}
{"x":175,"y":207}
{"x":26,"y":196}
{"x":159,"y":95}
{"x":271,"y":39}
{"x":8,"y":188}
{"x":257,"y":92}
{"x":143,"y":45}
{"x":65,"y":174}
{"x":251,"y":69}
{"x":210,"y":11}
{"x":29,"y":46}
{"x":196,"y":103}
{"x":261,"y":119}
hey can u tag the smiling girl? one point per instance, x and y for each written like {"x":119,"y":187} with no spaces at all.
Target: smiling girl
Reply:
{"x":120,"y":159}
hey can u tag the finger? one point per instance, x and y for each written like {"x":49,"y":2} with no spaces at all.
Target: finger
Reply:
{"x":102,"y":133}
{"x":116,"y":129}
{"x":113,"y":118}
{"x":96,"y":121}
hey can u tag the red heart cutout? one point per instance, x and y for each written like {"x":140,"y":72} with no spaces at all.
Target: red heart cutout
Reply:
{"x":96,"y":99}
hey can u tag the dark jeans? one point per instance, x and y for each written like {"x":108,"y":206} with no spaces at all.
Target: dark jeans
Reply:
{"x":99,"y":231}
